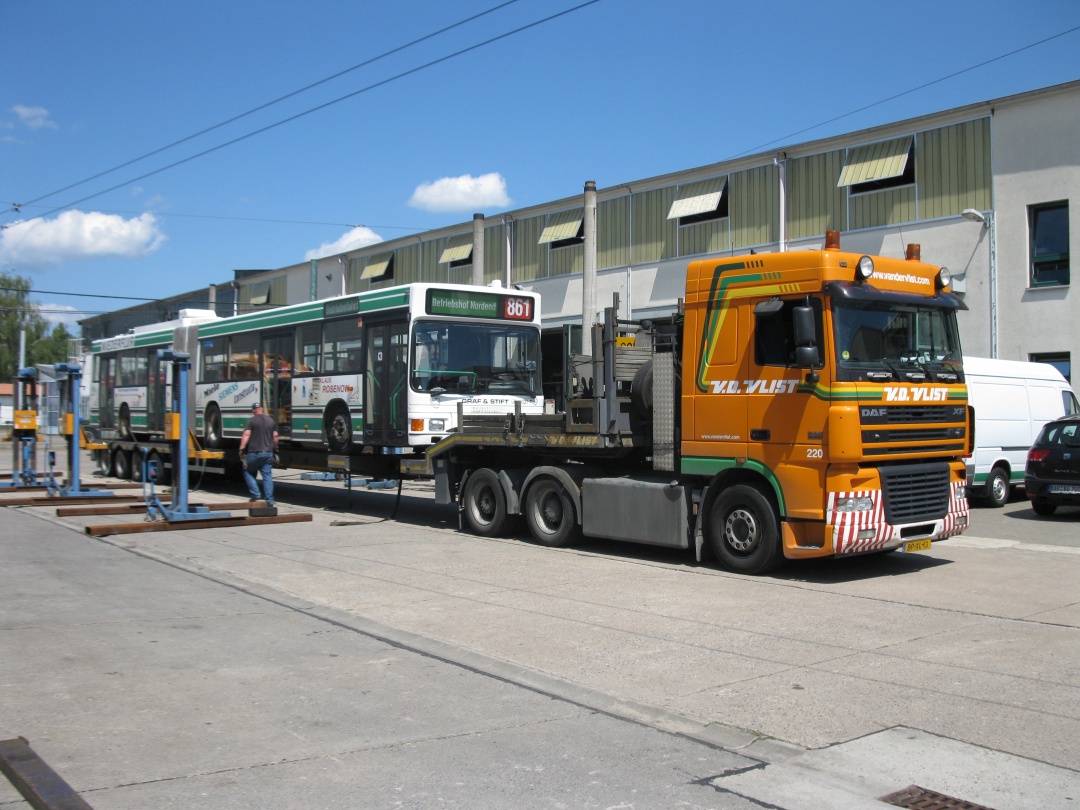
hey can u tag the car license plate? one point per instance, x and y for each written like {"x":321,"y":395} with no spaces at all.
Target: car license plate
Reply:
{"x":917,"y":545}
{"x":1064,"y":489}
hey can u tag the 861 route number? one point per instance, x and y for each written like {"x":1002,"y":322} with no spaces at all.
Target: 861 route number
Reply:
{"x":518,"y":309}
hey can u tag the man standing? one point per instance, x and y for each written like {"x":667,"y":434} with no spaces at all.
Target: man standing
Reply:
{"x":260,"y":441}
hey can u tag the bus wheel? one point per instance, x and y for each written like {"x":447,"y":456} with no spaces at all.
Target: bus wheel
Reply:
{"x":484,"y":504}
{"x":123,"y":425}
{"x":214,"y":434}
{"x":549,"y":513}
{"x":338,"y":428}
{"x":744,"y":530}
{"x":122,"y":465}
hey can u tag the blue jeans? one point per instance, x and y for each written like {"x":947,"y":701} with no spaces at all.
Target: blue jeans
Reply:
{"x":260,"y":463}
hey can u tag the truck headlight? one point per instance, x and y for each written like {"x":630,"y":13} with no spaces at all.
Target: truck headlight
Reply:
{"x":854,"y":504}
{"x":437,"y":425}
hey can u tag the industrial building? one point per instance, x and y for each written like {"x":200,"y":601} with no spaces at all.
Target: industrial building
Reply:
{"x":984,"y":189}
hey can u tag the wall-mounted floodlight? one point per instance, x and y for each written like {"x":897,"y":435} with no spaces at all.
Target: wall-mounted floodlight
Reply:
{"x":974,"y":215}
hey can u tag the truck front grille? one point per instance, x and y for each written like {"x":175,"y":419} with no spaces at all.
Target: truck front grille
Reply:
{"x":915,"y":492}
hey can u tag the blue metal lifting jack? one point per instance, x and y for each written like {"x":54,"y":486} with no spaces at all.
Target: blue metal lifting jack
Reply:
{"x":24,"y":433}
{"x":72,"y":428}
{"x":176,"y":433}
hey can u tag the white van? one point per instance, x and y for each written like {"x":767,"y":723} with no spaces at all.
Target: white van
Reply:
{"x":1012,"y":401}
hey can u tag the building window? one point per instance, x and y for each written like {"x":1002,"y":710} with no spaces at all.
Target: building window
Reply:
{"x":1059,"y":360}
{"x":878,"y":166}
{"x":564,"y":229}
{"x":1049,"y":225}
{"x":700,"y":202}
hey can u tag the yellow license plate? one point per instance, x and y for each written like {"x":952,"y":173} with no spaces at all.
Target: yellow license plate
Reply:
{"x":917,"y":545}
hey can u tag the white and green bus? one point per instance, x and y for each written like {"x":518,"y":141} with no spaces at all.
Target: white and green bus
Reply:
{"x":376,"y":372}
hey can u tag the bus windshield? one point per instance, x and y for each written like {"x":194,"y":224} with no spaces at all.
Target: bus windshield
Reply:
{"x":450,"y":357}
{"x":891,"y":337}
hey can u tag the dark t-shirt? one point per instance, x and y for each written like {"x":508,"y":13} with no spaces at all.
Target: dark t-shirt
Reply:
{"x":262,"y":429}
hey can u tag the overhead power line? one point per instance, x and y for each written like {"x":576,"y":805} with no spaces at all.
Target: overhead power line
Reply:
{"x":278,"y":100}
{"x":906,"y":92}
{"x":327,"y":104}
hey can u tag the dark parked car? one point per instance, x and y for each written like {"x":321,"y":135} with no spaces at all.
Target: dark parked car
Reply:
{"x":1052,"y":474}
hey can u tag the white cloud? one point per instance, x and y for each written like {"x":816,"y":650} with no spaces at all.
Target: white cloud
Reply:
{"x":358,"y":237}
{"x":465,"y":193}
{"x":57,"y":314}
{"x":34,"y":117}
{"x":76,"y":235}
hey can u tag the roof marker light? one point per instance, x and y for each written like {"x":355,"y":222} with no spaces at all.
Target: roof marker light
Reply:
{"x":944,"y":278}
{"x":865,"y":268}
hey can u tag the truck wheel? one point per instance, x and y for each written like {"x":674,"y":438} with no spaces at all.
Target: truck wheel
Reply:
{"x":103,"y":460}
{"x":485,"y":503}
{"x":744,"y":530}
{"x":997,"y":488}
{"x":338,"y":429}
{"x":214,"y":436}
{"x":1044,"y":508}
{"x":549,"y":512}
{"x":122,"y":465}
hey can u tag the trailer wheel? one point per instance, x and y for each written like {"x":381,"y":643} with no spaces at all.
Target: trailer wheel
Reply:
{"x":485,"y":503}
{"x":103,"y":460}
{"x":122,"y":464}
{"x":549,"y":513}
{"x":124,"y":424}
{"x":214,"y":435}
{"x":997,"y":488}
{"x":744,"y":530}
{"x":338,"y":428}
{"x":137,"y":459}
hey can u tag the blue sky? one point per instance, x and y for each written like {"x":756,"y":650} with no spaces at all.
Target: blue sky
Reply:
{"x":613,"y":91}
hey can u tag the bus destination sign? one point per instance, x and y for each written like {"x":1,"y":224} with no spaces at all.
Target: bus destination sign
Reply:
{"x":468,"y":304}
{"x":341,"y":306}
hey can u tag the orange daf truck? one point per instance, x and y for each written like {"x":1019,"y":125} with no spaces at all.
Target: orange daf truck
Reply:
{"x":798,"y":404}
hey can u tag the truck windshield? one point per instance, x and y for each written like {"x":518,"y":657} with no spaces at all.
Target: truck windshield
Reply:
{"x":891,"y":337}
{"x":450,"y":357}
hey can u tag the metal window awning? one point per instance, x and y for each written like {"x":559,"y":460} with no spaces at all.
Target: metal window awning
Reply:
{"x":875,"y":161}
{"x":261,"y":298}
{"x":698,"y":198}
{"x":458,"y":248}
{"x":563,"y":225}
{"x":378,"y":266}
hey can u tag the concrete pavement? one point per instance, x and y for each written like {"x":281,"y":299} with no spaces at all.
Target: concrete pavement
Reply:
{"x":957,"y":670}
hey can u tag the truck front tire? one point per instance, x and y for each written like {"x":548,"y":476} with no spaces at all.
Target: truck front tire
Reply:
{"x":744,"y":530}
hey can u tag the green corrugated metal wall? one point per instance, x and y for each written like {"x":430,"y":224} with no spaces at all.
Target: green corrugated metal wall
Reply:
{"x":754,"y":206}
{"x":613,"y":232}
{"x":653,"y":235}
{"x":814,"y":203}
{"x":953,"y":169}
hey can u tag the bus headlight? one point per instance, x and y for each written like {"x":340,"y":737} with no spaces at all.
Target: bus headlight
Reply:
{"x":436,"y":425}
{"x":944,"y":278}
{"x":854,"y":504}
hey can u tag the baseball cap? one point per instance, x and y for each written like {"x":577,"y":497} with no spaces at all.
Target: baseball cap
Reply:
{"x":256,"y":406}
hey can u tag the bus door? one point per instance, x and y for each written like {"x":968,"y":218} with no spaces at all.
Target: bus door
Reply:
{"x":106,"y":386}
{"x":156,"y":402}
{"x":386,"y":391}
{"x":277,"y":357}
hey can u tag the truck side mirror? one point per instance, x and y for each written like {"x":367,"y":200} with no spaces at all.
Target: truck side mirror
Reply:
{"x":806,"y":350}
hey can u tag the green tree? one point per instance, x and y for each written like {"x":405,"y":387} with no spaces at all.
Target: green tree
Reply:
{"x":19,"y":314}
